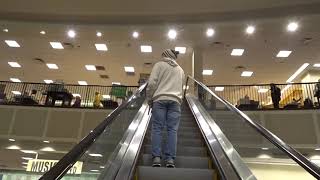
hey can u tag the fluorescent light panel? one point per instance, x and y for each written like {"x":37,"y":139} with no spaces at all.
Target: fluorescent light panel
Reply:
{"x":207,"y":72}
{"x":48,"y":81}
{"x":219,"y":88}
{"x":47,"y":149}
{"x":15,"y":80}
{"x":316,"y":65}
{"x":129,"y":69}
{"x":14,"y":64}
{"x":116,"y":83}
{"x":106,"y":96}
{"x":26,"y":158}
{"x":52,"y":66}
{"x":294,"y":75}
{"x":12,"y":43}
{"x":82,"y":83}
{"x":91,"y":67}
{"x":12,"y":140}
{"x":56,"y":45}
{"x":246,"y":73}
{"x":28,"y":151}
{"x":284,"y":54}
{"x":182,"y":50}
{"x":146,"y":48}
{"x":101,"y":47}
{"x":95,"y":155}
{"x":16,"y":92}
{"x":13,"y":147}
{"x":46,"y":141}
{"x":237,"y":52}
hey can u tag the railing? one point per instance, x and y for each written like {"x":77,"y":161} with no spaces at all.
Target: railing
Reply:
{"x":252,"y":97}
{"x":64,"y":95}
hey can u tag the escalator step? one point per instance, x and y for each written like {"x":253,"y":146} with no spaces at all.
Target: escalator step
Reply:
{"x":181,"y":141}
{"x":183,"y":151}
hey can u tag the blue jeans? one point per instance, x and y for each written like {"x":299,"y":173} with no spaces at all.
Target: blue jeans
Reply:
{"x":165,"y":113}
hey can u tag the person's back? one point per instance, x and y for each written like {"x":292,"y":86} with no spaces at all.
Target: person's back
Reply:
{"x":164,"y":93}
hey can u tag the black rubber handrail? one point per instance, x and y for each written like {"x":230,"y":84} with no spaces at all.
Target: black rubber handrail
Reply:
{"x":67,"y":161}
{"x":291,"y":152}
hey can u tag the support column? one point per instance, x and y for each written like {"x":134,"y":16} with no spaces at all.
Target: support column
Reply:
{"x":197,"y":64}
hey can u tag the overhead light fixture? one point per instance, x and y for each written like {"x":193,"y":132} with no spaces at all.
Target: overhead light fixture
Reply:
{"x":129,"y":69}
{"x":292,"y":26}
{"x":317,"y":149}
{"x":106,"y":96}
{"x":46,"y":141}
{"x":146,"y":48}
{"x":263,"y":90}
{"x":102,"y":167}
{"x":15,"y":93}
{"x":5,"y":30}
{"x":14,"y":64}
{"x":15,"y":80}
{"x":48,"y":81}
{"x":56,"y":45}
{"x":24,"y":163}
{"x":284,"y":54}
{"x":135,"y":34}
{"x":250,"y":29}
{"x":91,"y":67}
{"x":182,"y":50}
{"x":13,"y":147}
{"x":265,"y":148}
{"x":12,"y":140}
{"x":207,"y":72}
{"x":219,"y":88}
{"x":29,"y":151}
{"x":12,"y":43}
{"x":99,"y":34}
{"x":52,"y":66}
{"x":82,"y":83}
{"x":210,"y":32}
{"x":71,"y":33}
{"x":94,"y":170}
{"x":264,"y":156}
{"x":294,"y":75}
{"x":316,"y":65}
{"x":116,"y":83}
{"x":95,"y":155}
{"x":26,"y":158}
{"x":76,"y":95}
{"x":101,"y":47}
{"x":48,"y":149}
{"x":42,"y":32}
{"x":237,"y":52}
{"x":246,"y":73}
{"x":172,"y":34}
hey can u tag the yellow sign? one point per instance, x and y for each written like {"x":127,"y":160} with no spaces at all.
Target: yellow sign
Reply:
{"x":43,"y":165}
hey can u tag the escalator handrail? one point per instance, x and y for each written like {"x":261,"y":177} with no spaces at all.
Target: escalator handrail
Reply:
{"x":67,"y":161}
{"x":287,"y":149}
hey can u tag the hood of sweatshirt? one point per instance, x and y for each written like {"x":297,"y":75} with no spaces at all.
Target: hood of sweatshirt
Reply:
{"x":171,"y":62}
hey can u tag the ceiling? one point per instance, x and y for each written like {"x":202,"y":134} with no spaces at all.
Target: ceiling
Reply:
{"x":123,"y":50}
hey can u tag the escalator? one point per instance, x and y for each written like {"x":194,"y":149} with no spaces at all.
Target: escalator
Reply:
{"x":215,"y":141}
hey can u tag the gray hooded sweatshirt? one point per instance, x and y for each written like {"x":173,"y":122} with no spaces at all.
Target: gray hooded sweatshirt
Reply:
{"x":166,"y":81}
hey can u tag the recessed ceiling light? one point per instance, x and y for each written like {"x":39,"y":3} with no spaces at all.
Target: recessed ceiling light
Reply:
{"x":219,"y":88}
{"x":56,"y":45}
{"x":210,"y":32}
{"x":207,"y":72}
{"x":16,"y":92}
{"x":42,"y":32}
{"x":13,"y":147}
{"x":116,"y":83}
{"x":99,"y":34}
{"x":5,"y":30}
{"x":76,"y":95}
{"x":12,"y":140}
{"x":101,"y":47}
{"x":14,"y":64}
{"x":263,"y":90}
{"x":146,"y":48}
{"x":172,"y":34}
{"x":52,"y":66}
{"x":135,"y":34}
{"x":91,"y":67}
{"x":316,"y":65}
{"x":47,"y":149}
{"x":12,"y":43}
{"x":284,"y":54}
{"x":48,"y":81}
{"x":71,"y":33}
{"x":95,"y":155}
{"x":237,"y":52}
{"x":129,"y":69}
{"x":82,"y":83}
{"x":28,"y":151}
{"x":46,"y":141}
{"x":294,"y":75}
{"x":26,"y":158}
{"x":293,"y":26}
{"x":182,"y":50}
{"x":250,"y":29}
{"x":15,"y":80}
{"x":246,"y":73}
